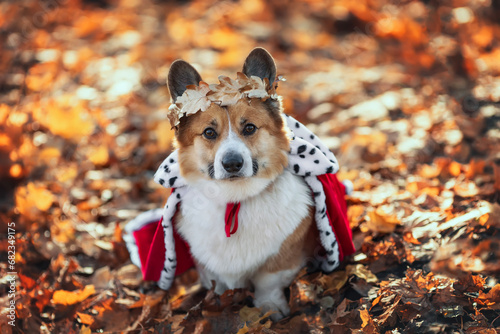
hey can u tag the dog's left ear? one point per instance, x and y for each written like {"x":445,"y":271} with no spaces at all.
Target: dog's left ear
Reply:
{"x":260,"y":63}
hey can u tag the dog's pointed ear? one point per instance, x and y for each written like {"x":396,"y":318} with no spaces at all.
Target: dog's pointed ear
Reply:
{"x":260,"y":63}
{"x":181,"y":74}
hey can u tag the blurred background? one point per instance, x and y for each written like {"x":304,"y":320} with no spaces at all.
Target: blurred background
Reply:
{"x":405,"y":93}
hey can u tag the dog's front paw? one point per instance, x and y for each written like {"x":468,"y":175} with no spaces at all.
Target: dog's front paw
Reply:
{"x":278,"y":306}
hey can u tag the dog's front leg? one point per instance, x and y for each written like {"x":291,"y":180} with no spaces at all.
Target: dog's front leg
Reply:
{"x":269,"y":294}
{"x":207,"y":279}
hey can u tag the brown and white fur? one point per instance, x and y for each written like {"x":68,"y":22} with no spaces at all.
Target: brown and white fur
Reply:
{"x":239,"y":153}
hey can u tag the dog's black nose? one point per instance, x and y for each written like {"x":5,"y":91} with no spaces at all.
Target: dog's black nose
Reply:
{"x":232,"y":162}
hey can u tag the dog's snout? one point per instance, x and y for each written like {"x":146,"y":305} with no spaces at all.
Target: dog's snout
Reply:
{"x":232,"y":162}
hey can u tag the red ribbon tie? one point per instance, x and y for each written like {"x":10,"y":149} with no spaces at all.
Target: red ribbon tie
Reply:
{"x":232,"y":210}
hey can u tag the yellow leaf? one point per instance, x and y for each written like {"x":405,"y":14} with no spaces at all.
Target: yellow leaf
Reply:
{"x":65,"y":117}
{"x":334,"y":281}
{"x":361,"y":271}
{"x":63,"y":231}
{"x":31,"y":198}
{"x":466,"y":189}
{"x":243,"y":330}
{"x":49,"y":153}
{"x":85,"y":330}
{"x":64,"y":297}
{"x":66,"y":173}
{"x":41,"y":76}
{"x":249,"y":314}
{"x":382,"y":220}
{"x":98,"y":156}
{"x":365,"y":317}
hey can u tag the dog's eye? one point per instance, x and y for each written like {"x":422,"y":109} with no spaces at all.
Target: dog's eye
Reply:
{"x":209,"y":133}
{"x":249,"y":129}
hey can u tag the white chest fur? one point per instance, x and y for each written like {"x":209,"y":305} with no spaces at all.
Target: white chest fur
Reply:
{"x":265,"y":221}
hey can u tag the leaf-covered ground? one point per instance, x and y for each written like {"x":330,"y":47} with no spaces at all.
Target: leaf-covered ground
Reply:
{"x":406,"y":93}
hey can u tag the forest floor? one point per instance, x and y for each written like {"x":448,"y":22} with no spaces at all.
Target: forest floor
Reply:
{"x":405,"y":93}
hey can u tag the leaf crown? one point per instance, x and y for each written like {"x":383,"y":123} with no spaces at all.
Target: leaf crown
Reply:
{"x":227,"y":92}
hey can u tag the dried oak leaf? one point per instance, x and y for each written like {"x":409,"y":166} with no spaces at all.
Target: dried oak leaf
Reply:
{"x":258,"y":88}
{"x":192,"y":100}
{"x":227,"y":92}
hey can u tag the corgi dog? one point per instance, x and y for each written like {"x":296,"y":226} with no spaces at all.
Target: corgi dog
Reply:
{"x":253,"y":196}
{"x":237,"y":152}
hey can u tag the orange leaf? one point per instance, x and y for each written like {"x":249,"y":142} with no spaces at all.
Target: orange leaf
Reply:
{"x":65,"y":117}
{"x":32,"y":199}
{"x":26,"y":282}
{"x":429,"y":171}
{"x":64,"y":297}
{"x":455,"y":168}
{"x":365,"y":317}
{"x":476,"y":167}
{"x":382,"y":220}
{"x":408,"y":237}
{"x":4,"y":112}
{"x":85,"y":319}
{"x":483,"y":36}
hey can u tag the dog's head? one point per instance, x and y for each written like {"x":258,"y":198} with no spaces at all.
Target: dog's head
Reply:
{"x":242,"y":146}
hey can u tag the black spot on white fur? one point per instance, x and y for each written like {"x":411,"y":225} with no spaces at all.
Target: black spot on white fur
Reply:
{"x":172,"y":180}
{"x":162,"y":181}
{"x":311,"y":136}
{"x":297,"y":125}
{"x":308,"y":174}
{"x":312,"y":151}
{"x":296,"y":168}
{"x":329,"y":170}
{"x":316,"y":161}
{"x":302,"y":156}
{"x":172,"y":160}
{"x":301,"y":149}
